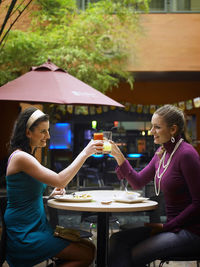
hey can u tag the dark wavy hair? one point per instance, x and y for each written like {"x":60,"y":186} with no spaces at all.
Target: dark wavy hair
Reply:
{"x":19,"y":140}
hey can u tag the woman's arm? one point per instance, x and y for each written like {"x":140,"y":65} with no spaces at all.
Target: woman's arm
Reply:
{"x":24,"y":162}
{"x":137,"y":180}
{"x":125,"y":171}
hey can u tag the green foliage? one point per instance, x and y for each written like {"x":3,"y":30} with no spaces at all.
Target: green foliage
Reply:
{"x":91,"y":45}
{"x":12,"y":11}
{"x":21,"y":50}
{"x":55,"y":11}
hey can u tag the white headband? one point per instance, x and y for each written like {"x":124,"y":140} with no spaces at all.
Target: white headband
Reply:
{"x":36,"y":115}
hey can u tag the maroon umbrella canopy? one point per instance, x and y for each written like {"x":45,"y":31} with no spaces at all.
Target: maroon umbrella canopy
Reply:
{"x":51,"y":84}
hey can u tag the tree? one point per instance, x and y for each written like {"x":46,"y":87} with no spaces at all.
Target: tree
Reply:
{"x":91,"y":44}
{"x":12,"y":11}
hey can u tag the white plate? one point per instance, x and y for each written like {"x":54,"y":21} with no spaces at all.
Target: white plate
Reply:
{"x":71,"y":198}
{"x":130,"y":195}
{"x":134,"y":200}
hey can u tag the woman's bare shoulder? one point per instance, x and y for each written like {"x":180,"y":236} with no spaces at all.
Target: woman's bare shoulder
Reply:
{"x":17,"y":160}
{"x":18,"y":155}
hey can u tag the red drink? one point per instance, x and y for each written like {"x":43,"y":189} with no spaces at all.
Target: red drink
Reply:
{"x":98,"y":136}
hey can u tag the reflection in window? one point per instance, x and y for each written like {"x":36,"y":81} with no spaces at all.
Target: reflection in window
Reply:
{"x":82,"y":4}
{"x":159,"y":5}
{"x":185,"y":5}
{"x":191,"y":128}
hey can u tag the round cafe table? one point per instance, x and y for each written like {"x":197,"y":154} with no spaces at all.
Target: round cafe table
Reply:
{"x":103,"y":210}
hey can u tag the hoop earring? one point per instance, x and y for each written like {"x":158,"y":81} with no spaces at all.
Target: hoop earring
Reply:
{"x":172,"y":139}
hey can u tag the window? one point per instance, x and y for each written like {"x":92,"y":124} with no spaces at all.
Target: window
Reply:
{"x":185,"y":5}
{"x":82,"y":4}
{"x":174,"y":6}
{"x":61,"y":136}
{"x":159,"y":5}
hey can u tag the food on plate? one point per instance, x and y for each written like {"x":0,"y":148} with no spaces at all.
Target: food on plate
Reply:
{"x":106,"y":202}
{"x":78,"y":196}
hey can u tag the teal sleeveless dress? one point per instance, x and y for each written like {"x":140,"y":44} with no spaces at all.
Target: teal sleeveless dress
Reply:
{"x":30,"y":238}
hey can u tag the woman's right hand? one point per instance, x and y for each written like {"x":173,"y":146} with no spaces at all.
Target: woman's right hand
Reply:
{"x":116,"y":153}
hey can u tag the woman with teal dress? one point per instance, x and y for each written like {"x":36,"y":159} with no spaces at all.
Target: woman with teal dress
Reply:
{"x":30,"y":238}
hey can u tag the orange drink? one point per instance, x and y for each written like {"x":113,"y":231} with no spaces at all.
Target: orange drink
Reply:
{"x":98,"y":136}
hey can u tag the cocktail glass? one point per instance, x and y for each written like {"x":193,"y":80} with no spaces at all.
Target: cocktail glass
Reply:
{"x":98,"y":136}
{"x":107,"y":146}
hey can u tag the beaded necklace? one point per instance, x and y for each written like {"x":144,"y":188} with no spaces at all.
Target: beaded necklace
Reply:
{"x":165,"y":166}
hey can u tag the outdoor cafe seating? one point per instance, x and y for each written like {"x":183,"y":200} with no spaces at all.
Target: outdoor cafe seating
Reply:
{"x":91,"y":217}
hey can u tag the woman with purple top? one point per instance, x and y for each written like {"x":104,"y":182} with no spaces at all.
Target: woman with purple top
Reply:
{"x":175,"y":169}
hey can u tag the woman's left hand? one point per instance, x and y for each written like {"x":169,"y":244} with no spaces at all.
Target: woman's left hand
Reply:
{"x":156,"y":228}
{"x":116,"y":153}
{"x":58,"y":191}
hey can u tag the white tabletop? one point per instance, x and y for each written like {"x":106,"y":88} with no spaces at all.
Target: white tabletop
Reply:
{"x":96,"y":206}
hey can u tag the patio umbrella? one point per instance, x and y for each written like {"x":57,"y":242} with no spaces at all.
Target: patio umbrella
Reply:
{"x":51,"y":84}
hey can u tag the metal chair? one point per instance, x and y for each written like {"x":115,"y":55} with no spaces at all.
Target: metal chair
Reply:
{"x":180,"y":258}
{"x":91,"y":217}
{"x":3,"y":204}
{"x":87,"y":175}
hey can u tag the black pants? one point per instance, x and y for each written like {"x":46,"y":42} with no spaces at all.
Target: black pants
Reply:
{"x":136,"y":248}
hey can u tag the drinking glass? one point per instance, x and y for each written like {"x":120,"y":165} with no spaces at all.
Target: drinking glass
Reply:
{"x":98,"y":136}
{"x":107,"y":146}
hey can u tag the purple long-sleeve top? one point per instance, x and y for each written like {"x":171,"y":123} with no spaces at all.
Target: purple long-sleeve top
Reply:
{"x":180,"y":185}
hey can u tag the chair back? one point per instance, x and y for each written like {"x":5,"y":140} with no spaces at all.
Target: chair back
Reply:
{"x":155,"y":215}
{"x":53,"y":217}
{"x":88,"y":173}
{"x":91,"y":217}
{"x":3,"y":204}
{"x":91,"y":188}
{"x":181,"y":258}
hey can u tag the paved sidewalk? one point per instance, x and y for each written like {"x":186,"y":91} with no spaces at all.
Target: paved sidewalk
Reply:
{"x":171,"y":264}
